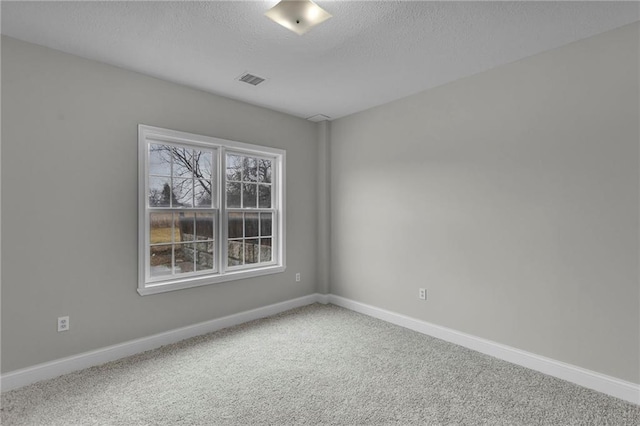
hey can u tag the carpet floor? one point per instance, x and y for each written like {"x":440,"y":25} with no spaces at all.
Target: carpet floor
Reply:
{"x":319,"y":364}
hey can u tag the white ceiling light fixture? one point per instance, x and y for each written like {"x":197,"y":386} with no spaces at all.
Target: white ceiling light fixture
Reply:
{"x":298,"y":16}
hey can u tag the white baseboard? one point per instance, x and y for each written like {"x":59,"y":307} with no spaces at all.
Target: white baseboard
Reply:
{"x":589,"y":379}
{"x":48,"y":370}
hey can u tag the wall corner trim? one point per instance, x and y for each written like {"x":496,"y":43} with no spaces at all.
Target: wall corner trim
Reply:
{"x":580,"y":376}
{"x":323,"y":298}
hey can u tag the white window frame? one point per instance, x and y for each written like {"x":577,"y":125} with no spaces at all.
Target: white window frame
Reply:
{"x":148,"y":285}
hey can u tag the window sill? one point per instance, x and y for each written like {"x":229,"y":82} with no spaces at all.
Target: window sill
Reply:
{"x":180,"y":284}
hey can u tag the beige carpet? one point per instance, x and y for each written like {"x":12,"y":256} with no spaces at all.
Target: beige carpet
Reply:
{"x":313,"y":365}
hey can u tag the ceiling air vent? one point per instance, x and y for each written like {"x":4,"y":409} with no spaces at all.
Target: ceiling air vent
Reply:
{"x":251,"y":79}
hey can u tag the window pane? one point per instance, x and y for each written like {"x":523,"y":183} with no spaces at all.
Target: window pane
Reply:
{"x":184,"y":225}
{"x":203,"y":164}
{"x":202,"y":173}
{"x":235,"y":253}
{"x":251,"y":251}
{"x":182,"y":192}
{"x":264,"y":197}
{"x":265,"y":224}
{"x":160,"y":228}
{"x":235,"y":225}
{"x":265,"y":250}
{"x":251,"y":224}
{"x":203,"y":193}
{"x":264,"y":171}
{"x":204,"y":256}
{"x":159,"y":192}
{"x":250,"y":169}
{"x":160,"y":260}
{"x":182,"y":162}
{"x":233,"y":194}
{"x":159,"y":160}
{"x":249,"y":195}
{"x":234,"y":167}
{"x":204,"y":226}
{"x":184,"y":258}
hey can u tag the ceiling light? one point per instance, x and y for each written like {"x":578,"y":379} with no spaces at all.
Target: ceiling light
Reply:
{"x":298,"y":15}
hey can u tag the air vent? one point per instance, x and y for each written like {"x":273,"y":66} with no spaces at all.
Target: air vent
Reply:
{"x":251,"y":79}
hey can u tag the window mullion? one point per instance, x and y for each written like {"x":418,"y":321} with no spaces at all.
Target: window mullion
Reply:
{"x":171,"y":194}
{"x":223,"y":230}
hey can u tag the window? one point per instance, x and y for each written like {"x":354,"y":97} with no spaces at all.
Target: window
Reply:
{"x":210,"y":210}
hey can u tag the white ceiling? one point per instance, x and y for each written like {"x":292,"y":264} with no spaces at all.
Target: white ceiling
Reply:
{"x":369,"y":53}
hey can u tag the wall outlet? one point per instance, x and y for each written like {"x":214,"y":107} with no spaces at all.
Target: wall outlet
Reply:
{"x":298,"y":277}
{"x":422,"y":294}
{"x":63,"y":323}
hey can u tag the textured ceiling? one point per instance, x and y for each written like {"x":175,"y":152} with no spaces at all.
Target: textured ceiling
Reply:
{"x":369,"y":53}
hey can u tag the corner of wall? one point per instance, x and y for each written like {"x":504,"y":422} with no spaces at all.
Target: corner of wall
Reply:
{"x":324,"y":207}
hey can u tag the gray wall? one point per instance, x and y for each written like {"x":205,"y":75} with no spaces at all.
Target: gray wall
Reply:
{"x":69,"y":203}
{"x":512,"y":196}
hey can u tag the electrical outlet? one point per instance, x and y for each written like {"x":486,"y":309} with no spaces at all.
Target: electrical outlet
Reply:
{"x":422,"y":294}
{"x":63,"y":323}
{"x":298,"y":277}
